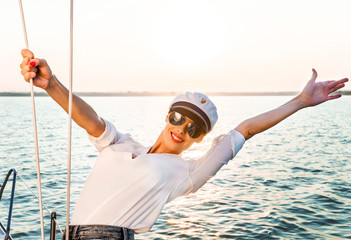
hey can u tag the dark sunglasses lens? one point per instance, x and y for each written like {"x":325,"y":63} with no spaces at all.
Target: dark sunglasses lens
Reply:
{"x":176,"y":118}
{"x":194,"y":131}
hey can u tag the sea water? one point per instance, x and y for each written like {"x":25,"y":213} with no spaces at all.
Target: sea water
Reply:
{"x":290,"y":182}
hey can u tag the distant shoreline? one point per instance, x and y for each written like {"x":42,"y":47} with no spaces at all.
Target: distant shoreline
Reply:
{"x":152,"y":94}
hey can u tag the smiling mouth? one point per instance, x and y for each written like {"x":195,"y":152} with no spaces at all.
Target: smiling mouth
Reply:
{"x":176,"y":138}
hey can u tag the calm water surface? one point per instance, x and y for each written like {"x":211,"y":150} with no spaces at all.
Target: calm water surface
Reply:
{"x":291,"y":182}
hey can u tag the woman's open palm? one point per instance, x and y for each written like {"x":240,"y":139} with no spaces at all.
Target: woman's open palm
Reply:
{"x":316,"y":93}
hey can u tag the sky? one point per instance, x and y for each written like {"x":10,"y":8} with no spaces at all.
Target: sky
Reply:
{"x":183,"y":45}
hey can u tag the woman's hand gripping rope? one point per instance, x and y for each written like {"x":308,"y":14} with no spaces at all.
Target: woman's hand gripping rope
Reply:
{"x":36,"y":69}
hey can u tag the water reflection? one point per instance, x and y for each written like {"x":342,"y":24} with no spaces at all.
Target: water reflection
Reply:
{"x":291,"y":182}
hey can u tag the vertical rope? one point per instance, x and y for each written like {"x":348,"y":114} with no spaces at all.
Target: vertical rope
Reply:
{"x":35,"y":129}
{"x":69,"y":122}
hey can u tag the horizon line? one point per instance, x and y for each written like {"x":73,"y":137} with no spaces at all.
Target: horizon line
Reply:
{"x":159,"y":93}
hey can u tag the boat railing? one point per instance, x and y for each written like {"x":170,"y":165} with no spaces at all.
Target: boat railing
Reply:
{"x":5,"y":232}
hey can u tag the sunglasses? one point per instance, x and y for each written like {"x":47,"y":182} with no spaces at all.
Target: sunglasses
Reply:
{"x":178,"y":119}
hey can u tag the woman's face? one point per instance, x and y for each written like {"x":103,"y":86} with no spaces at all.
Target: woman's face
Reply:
{"x":176,"y":137}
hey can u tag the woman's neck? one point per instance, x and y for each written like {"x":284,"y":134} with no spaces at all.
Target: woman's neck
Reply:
{"x":160,"y":147}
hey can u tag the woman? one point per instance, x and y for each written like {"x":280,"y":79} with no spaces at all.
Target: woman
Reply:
{"x":129,"y":183}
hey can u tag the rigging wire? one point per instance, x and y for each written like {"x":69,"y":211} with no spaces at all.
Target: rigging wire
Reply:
{"x":35,"y":195}
{"x":69,"y":126}
{"x":69,"y":121}
{"x":35,"y":129}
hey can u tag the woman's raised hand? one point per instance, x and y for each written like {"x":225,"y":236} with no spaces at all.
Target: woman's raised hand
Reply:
{"x":315,"y":93}
{"x":36,"y":69}
{"x":82,"y":113}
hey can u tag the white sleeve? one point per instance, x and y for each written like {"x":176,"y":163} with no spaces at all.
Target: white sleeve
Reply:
{"x":224,"y":148}
{"x":108,"y":137}
{"x":238,"y":141}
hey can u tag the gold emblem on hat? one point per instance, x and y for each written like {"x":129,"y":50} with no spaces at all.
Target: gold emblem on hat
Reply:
{"x":203,"y":100}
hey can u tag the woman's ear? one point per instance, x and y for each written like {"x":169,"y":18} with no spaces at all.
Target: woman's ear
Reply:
{"x":166,"y":117}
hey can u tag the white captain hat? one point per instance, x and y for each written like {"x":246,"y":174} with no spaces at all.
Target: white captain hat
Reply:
{"x":198,"y":107}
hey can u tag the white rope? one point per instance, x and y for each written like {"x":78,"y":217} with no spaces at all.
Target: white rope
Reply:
{"x":69,"y":122}
{"x":35,"y":195}
{"x":35,"y":130}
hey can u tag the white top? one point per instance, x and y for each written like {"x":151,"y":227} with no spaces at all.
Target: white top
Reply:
{"x":128,"y":187}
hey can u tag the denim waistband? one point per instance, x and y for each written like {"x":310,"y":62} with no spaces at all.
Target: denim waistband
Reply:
{"x":105,"y":232}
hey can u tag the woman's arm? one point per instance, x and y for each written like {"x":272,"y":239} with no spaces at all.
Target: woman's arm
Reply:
{"x":312,"y":95}
{"x":82,"y":113}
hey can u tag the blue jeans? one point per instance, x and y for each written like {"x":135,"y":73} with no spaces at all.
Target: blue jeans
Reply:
{"x":98,"y":232}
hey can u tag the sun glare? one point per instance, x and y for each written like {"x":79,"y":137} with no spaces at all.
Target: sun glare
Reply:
{"x":188,"y":33}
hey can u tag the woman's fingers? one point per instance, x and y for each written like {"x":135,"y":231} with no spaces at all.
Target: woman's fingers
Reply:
{"x":36,"y":69}
{"x":28,"y":62}
{"x":27,"y":53}
{"x":332,"y":84}
{"x":28,"y":69}
{"x":334,"y":96}
{"x":336,"y":85}
{"x":336,"y":88}
{"x":24,"y":62}
{"x":28,"y":75}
